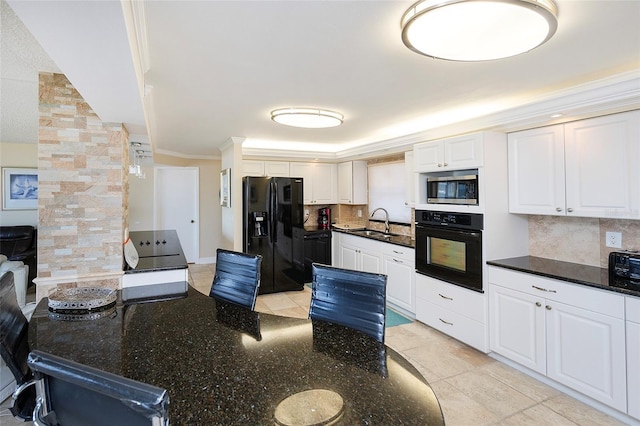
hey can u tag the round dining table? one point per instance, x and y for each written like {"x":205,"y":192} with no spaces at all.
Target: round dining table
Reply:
{"x":224,"y":364}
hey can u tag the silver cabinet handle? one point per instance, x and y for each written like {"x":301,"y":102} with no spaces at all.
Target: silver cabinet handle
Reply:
{"x":569,"y":209}
{"x":446,"y":322}
{"x":398,"y":252}
{"x":548,"y":307}
{"x":543,"y":289}
{"x":445,"y":297}
{"x":446,"y":164}
{"x":439,"y":165}
{"x":558,"y":209}
{"x":538,"y":304}
{"x":398,"y":261}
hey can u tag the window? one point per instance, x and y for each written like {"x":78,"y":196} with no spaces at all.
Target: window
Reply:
{"x":387,"y":190}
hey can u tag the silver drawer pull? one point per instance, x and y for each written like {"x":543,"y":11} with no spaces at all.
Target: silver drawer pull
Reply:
{"x":544,"y":289}
{"x":397,"y":261}
{"x":398,"y":252}
{"x":446,"y":322}
{"x":445,"y":297}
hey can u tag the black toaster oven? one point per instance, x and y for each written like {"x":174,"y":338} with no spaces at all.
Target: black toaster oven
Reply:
{"x":624,"y":265}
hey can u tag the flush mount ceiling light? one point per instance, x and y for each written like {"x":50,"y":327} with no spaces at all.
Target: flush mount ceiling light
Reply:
{"x":478,"y":30}
{"x":312,"y":118}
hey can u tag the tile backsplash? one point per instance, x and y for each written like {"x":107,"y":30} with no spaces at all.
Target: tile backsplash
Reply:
{"x":578,"y":239}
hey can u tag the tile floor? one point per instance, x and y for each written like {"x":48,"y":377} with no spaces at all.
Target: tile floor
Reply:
{"x":473,"y":389}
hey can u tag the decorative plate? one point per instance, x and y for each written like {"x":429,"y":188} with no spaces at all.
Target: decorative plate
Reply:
{"x":87,"y":316}
{"x":82,"y":299}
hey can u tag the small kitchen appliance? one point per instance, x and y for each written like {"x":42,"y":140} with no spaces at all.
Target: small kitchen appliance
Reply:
{"x":324,"y":218}
{"x":456,"y":187}
{"x":624,"y":269}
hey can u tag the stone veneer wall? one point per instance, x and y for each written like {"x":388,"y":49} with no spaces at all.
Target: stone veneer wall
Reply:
{"x":83,"y":191}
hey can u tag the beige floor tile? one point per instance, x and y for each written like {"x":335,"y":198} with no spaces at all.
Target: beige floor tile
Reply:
{"x":277,"y":301}
{"x":527,"y":385}
{"x":460,"y":410}
{"x":296,"y":312}
{"x":538,"y":415}
{"x":500,"y":399}
{"x":430,"y":356}
{"x":578,"y":412}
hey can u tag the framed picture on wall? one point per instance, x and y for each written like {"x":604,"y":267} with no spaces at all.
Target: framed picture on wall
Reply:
{"x":19,"y":189}
{"x":225,"y":188}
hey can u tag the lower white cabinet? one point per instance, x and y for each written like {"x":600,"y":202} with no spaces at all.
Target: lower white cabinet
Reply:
{"x":360,"y":254}
{"x":399,"y":266}
{"x":456,"y":311}
{"x":632,"y":306}
{"x":573,"y":334}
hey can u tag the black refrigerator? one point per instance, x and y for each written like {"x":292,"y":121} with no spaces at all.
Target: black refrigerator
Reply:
{"x":273,"y":227}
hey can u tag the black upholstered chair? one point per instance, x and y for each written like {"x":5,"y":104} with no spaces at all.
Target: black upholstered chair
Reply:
{"x":350,"y":298}
{"x":69,"y":393}
{"x":14,"y":346}
{"x":237,"y":278}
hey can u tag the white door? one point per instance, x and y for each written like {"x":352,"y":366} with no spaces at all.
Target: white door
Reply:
{"x":176,"y":207}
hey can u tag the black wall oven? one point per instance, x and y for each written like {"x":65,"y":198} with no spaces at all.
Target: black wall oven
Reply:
{"x":449,"y":247}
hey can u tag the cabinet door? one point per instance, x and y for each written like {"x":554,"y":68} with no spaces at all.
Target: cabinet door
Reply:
{"x":409,"y":180}
{"x":349,"y":257}
{"x":325,"y":183}
{"x":370,"y":261}
{"x":586,"y":351}
{"x":463,"y":152}
{"x":252,"y":168}
{"x":633,"y":368}
{"x":345,"y":183}
{"x":428,"y":156}
{"x":602,"y":173}
{"x":401,"y":282}
{"x":536,"y":171}
{"x":276,"y":168}
{"x":517,"y":322}
{"x":305,"y":171}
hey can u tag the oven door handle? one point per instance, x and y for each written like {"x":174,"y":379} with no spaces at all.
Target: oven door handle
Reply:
{"x":427,"y":228}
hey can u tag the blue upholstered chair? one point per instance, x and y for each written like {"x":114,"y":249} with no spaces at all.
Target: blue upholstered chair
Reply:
{"x":69,"y":393}
{"x":14,"y":346}
{"x":350,"y":298}
{"x":237,"y":278}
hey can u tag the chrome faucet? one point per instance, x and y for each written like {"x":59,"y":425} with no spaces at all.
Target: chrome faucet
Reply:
{"x":386,"y":218}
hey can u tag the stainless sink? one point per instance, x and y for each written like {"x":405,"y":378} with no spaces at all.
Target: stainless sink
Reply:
{"x":373,"y":233}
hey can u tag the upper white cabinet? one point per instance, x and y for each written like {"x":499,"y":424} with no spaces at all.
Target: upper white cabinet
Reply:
{"x":352,"y":182}
{"x":409,"y":180}
{"x":585,"y":168}
{"x":449,"y":154}
{"x":265,"y":168}
{"x":320,"y":181}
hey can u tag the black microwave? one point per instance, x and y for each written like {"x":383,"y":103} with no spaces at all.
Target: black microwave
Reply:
{"x":453,"y":189}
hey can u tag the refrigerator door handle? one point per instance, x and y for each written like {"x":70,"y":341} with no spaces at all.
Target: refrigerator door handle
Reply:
{"x":273,"y":205}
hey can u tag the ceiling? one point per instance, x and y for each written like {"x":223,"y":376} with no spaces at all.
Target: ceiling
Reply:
{"x":202,"y":72}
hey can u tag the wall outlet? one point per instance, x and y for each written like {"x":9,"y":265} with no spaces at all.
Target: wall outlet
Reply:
{"x":359,"y":212}
{"x":613,"y":239}
{"x":306,"y":212}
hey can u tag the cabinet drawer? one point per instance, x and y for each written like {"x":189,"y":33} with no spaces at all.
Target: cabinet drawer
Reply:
{"x":453,"y":324}
{"x":399,"y":252}
{"x":363,"y":243}
{"x":451,"y":297}
{"x":633,"y":309}
{"x":600,"y":301}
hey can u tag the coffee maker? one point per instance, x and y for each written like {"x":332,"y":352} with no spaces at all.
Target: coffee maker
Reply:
{"x":324,"y":218}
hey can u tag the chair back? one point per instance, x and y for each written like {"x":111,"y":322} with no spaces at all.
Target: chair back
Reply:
{"x":237,"y":278}
{"x":70,"y":393}
{"x":14,"y":345}
{"x":350,"y":298}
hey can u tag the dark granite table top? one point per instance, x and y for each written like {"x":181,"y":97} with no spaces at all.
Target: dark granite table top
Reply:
{"x":157,"y":251}
{"x":222,"y":364}
{"x":591,"y":276}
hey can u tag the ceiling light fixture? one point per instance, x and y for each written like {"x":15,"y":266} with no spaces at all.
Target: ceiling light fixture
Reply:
{"x":478,"y":30}
{"x":312,"y":118}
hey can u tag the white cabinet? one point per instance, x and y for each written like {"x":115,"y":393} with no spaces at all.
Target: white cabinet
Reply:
{"x":573,"y":334}
{"x":632,"y":306}
{"x":265,"y":168}
{"x":399,"y":266}
{"x":586,"y":168}
{"x":320,"y":181}
{"x":456,"y":311}
{"x":449,"y":154}
{"x":409,"y":180}
{"x":352,"y":182}
{"x":360,"y":254}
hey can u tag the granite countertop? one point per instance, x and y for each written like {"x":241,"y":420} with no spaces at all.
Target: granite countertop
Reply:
{"x":400,"y":240}
{"x":157,"y":251}
{"x":591,"y":276}
{"x":223,"y":364}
